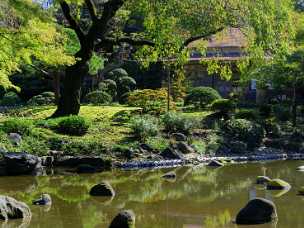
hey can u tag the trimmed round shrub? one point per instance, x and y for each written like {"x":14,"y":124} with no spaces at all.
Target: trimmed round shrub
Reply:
{"x":151,"y":101}
{"x":175,"y":122}
{"x":98,"y":98}
{"x":144,"y":127}
{"x":109,"y":86}
{"x":46,"y":98}
{"x":73,"y":125}
{"x":246,"y":114}
{"x":246,"y":131}
{"x":224,"y":106}
{"x":200,"y":97}
{"x":20,"y":126}
{"x":11,"y":99}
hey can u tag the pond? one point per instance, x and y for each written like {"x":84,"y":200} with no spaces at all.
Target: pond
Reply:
{"x":198,"y":197}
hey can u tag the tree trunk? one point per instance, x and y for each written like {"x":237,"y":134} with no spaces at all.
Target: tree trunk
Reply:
{"x":69,"y":103}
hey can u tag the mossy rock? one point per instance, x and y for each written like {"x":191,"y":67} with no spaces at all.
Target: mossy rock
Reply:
{"x":278,"y":184}
{"x":263,"y":180}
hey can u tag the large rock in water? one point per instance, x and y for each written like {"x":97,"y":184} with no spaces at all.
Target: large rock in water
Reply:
{"x":172,"y":154}
{"x":278,"y":184}
{"x":13,"y":209}
{"x":20,"y":164}
{"x":125,"y":219}
{"x":257,"y":211}
{"x":263,"y":180}
{"x":102,"y":189}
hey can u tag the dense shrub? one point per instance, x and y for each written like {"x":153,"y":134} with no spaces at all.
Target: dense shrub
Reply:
{"x":125,"y":115}
{"x":73,"y":125}
{"x":246,"y":114}
{"x":83,"y":147}
{"x":11,"y":99}
{"x":246,"y":131}
{"x":272,"y":128}
{"x":265,"y":110}
{"x":175,"y":122}
{"x":109,"y":86}
{"x":20,"y":126}
{"x":282,"y":112}
{"x":200,"y":97}
{"x":223,"y":106}
{"x":144,"y":127}
{"x":46,"y":98}
{"x":98,"y":98}
{"x":151,"y":101}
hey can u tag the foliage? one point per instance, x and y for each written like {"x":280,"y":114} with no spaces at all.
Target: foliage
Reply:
{"x":144,"y":127}
{"x":20,"y":126}
{"x":151,"y":101}
{"x":175,"y":122}
{"x":73,"y":125}
{"x":246,"y":114}
{"x":265,"y":110}
{"x":45,"y":98}
{"x":245,"y":130}
{"x":282,"y":112}
{"x":109,"y":86}
{"x":84,"y":147}
{"x":200,"y":97}
{"x":200,"y":146}
{"x":10,"y":99}
{"x":98,"y":98}
{"x":29,"y":35}
{"x":223,"y":106}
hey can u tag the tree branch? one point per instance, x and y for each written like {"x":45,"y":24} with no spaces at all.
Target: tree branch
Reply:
{"x":92,"y":9}
{"x":203,"y":36}
{"x":72,"y":22}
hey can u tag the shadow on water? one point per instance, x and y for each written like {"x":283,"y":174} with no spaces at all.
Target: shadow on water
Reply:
{"x":199,"y":196}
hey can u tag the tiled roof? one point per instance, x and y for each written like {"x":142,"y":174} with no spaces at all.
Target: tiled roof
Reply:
{"x":230,"y":37}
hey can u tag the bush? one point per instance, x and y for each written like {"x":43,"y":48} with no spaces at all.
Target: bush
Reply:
{"x":175,"y":122}
{"x":282,"y":112}
{"x":246,"y":114}
{"x":73,"y":125}
{"x":200,"y":97}
{"x":144,"y":127}
{"x":109,"y":86}
{"x":98,"y":98}
{"x":272,"y":128}
{"x":246,"y":131}
{"x":46,"y":98}
{"x":83,"y":147}
{"x":265,"y":110}
{"x":20,"y":126}
{"x":11,"y":99}
{"x":151,"y":101}
{"x":223,"y":106}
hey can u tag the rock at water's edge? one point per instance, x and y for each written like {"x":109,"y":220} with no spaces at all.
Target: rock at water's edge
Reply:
{"x":257,"y":211}
{"x":125,"y":219}
{"x":44,"y":200}
{"x":172,"y":154}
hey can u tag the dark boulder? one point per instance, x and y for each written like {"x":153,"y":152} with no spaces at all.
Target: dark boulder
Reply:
{"x":102,"y":189}
{"x":179,"y":137}
{"x":20,"y":164}
{"x":257,"y":211}
{"x":75,"y":161}
{"x":278,"y":184}
{"x":124,"y":219}
{"x":171,"y":154}
{"x":84,"y":168}
{"x":184,"y":148}
{"x":44,"y":200}
{"x":13,"y":209}
{"x":146,"y":148}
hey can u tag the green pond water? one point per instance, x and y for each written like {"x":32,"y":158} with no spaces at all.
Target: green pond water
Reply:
{"x":199,"y":197}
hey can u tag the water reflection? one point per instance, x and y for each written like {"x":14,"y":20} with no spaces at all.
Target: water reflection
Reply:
{"x":199,"y":196}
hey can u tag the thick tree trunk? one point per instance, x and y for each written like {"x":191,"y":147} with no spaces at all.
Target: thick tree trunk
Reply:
{"x":69,"y":103}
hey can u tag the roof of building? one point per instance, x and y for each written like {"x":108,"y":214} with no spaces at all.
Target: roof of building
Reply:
{"x":230,"y":37}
